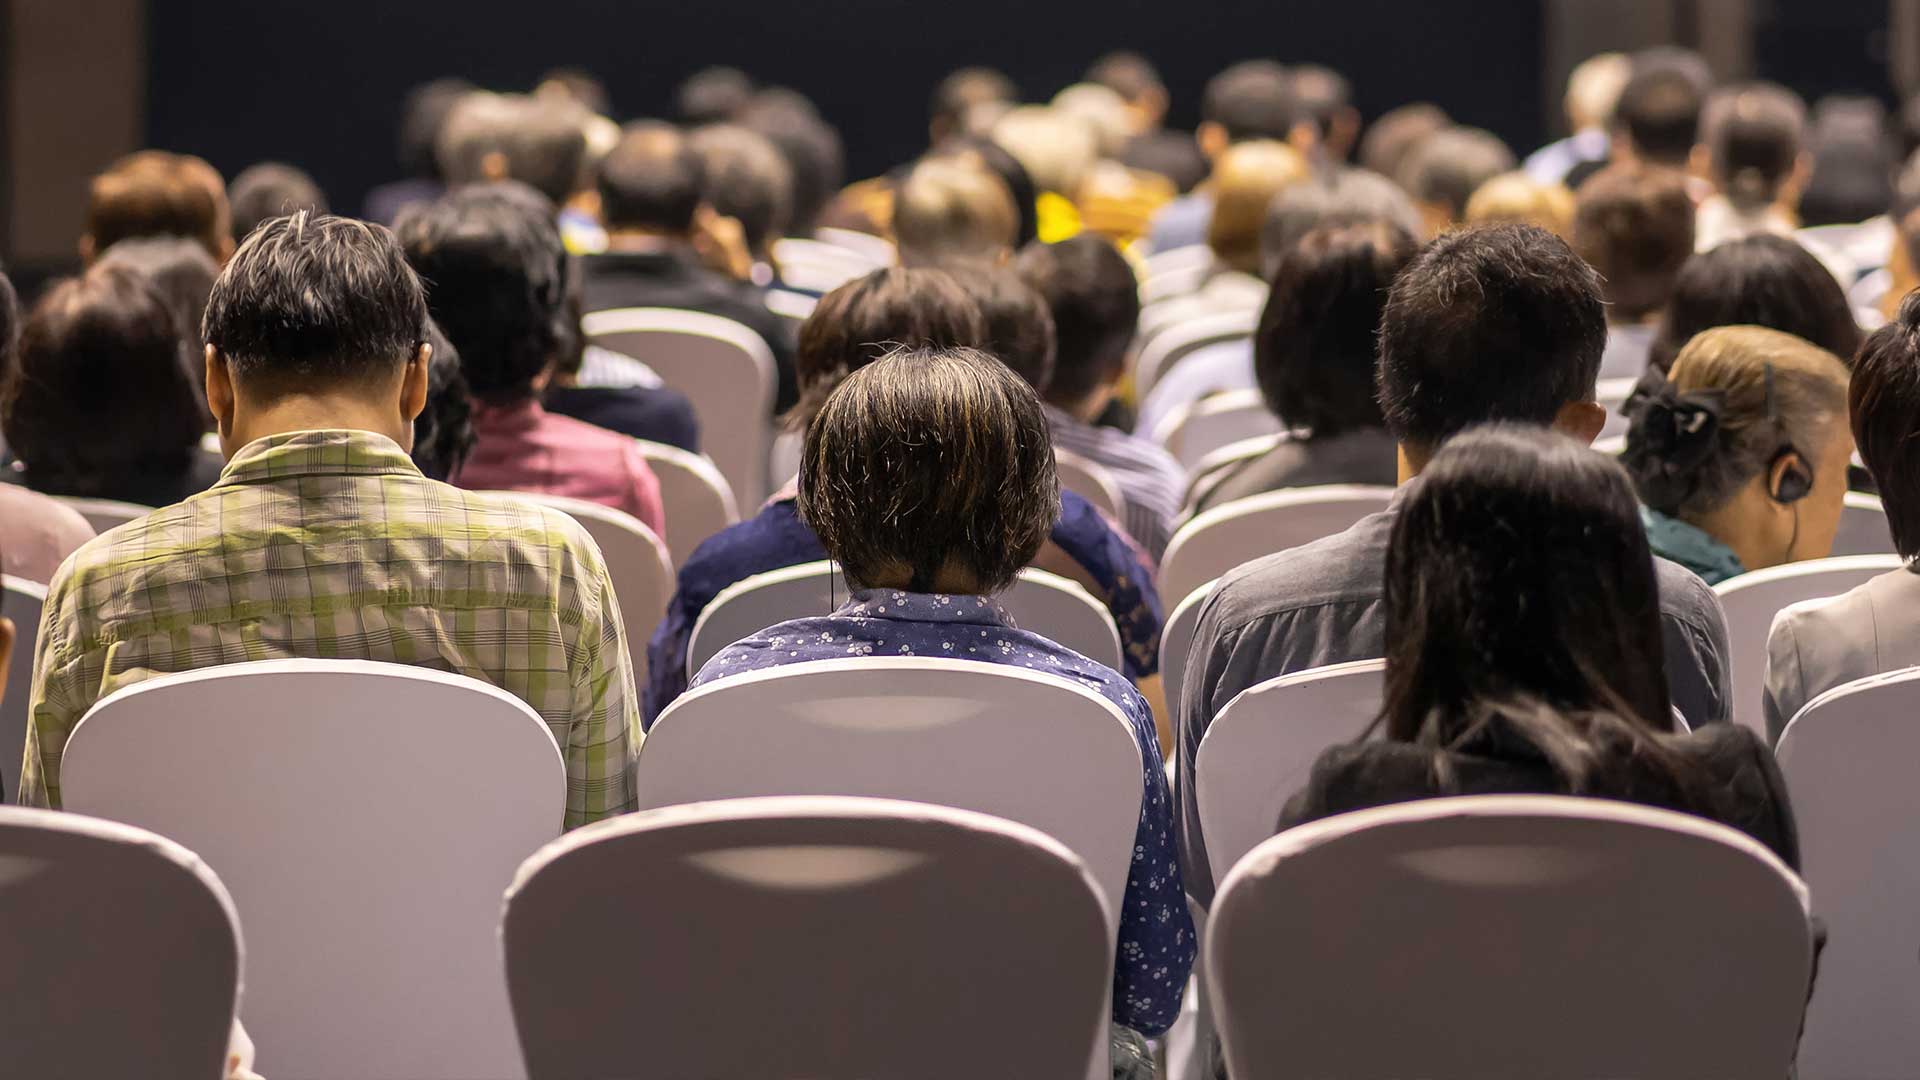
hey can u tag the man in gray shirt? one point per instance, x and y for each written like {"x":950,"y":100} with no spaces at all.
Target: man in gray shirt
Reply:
{"x":1501,"y":323}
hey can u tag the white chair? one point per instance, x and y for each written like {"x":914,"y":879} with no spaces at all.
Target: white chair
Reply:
{"x":1261,"y":748}
{"x":875,"y":249}
{"x":1044,"y":603}
{"x":1222,"y":538}
{"x":366,"y":818}
{"x":1200,"y":428}
{"x":1510,"y":937}
{"x":104,"y":514}
{"x":1092,"y":482}
{"x":1238,"y":451}
{"x":637,"y":562}
{"x":1175,"y":272}
{"x":1176,"y":642}
{"x":725,"y":369}
{"x":1753,"y":599}
{"x":828,"y":937}
{"x":1612,"y":394}
{"x":1612,"y":445}
{"x":122,"y":952}
{"x":697,"y":499}
{"x":1863,"y":527}
{"x":791,"y":305}
{"x":24,"y":604}
{"x":1848,"y":761}
{"x":819,"y":267}
{"x":1176,"y":342}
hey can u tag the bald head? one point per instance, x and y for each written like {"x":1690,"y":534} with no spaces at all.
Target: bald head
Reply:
{"x":952,"y":208}
{"x":1246,"y":177}
{"x":650,"y":181}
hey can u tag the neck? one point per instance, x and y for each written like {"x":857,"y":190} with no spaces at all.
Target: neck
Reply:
{"x":1411,"y":460}
{"x":1750,"y":541}
{"x":1089,"y":407}
{"x":634,"y":239}
{"x":311,"y":412}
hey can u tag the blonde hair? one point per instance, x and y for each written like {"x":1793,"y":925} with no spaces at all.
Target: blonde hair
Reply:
{"x":1245,"y":180}
{"x":953,"y":209}
{"x":1056,"y":149}
{"x":1593,"y":90}
{"x":1517,"y":197}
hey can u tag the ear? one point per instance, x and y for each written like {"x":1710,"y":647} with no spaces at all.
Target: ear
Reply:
{"x":1788,"y":472}
{"x":220,"y":395}
{"x":413,"y":384}
{"x":1581,"y":421}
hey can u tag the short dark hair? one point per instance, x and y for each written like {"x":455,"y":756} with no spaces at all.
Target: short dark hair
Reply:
{"x":1755,"y":135}
{"x":1128,"y":74}
{"x":1172,"y":154}
{"x":929,"y":460}
{"x":544,"y":142}
{"x":182,"y":272}
{"x":1251,"y":100}
{"x":650,"y":180}
{"x":713,"y":94}
{"x":316,"y":300}
{"x":1019,"y":326}
{"x":870,"y":316}
{"x":1313,"y":352}
{"x":422,"y":116}
{"x":496,"y":271}
{"x":1659,"y":110}
{"x":963,"y":90}
{"x":1883,"y":400}
{"x":1095,"y":300}
{"x":1321,"y":94}
{"x":1761,"y":280}
{"x":97,"y":390}
{"x":1391,"y":137}
{"x":443,"y":435}
{"x":744,"y":176}
{"x":1447,"y":167}
{"x":156,"y":193}
{"x":1488,"y":323}
{"x":1634,"y":224}
{"x":271,"y":189}
{"x":816,"y":159}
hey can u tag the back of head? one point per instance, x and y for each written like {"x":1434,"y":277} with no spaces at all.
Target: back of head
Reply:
{"x":1095,"y":301}
{"x":744,"y":176}
{"x":1760,"y":280}
{"x":539,"y":142}
{"x":1172,"y":154}
{"x":1055,"y":149}
{"x":816,"y":160}
{"x":443,"y":435}
{"x":870,"y":316}
{"x":576,"y":85}
{"x":422,"y":117}
{"x":98,"y":390}
{"x":650,"y":181}
{"x":1445,"y":169}
{"x":1594,"y":88}
{"x":180,"y":270}
{"x":1883,"y":401}
{"x":1246,"y":178}
{"x":968,"y":101}
{"x":983,"y":152}
{"x":1347,"y":197}
{"x":1128,"y":74}
{"x":1103,"y":111}
{"x":496,"y":282}
{"x":1391,"y":137}
{"x":1313,"y":354}
{"x":1251,"y":100}
{"x":1522,"y":605}
{"x":1736,"y":399}
{"x":1851,"y":181}
{"x":271,"y":189}
{"x":950,"y":208}
{"x":1019,"y":326}
{"x":1324,"y":99}
{"x":1755,"y":135}
{"x":1659,"y":113}
{"x":1634,"y":224}
{"x":156,"y":193}
{"x":1499,"y":322}
{"x":1516,"y":196}
{"x":713,"y":95}
{"x":930,"y":465}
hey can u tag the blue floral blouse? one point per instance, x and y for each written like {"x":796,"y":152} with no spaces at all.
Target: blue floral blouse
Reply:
{"x":1156,"y":946}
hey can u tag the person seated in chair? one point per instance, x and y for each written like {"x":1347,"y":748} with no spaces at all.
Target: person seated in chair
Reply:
{"x":928,"y":476}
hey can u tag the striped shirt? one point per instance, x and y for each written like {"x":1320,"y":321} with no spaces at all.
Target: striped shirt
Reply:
{"x":1150,"y":480}
{"x":331,"y":545}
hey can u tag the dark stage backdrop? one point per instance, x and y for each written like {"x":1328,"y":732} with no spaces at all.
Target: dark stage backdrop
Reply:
{"x":318,"y":84}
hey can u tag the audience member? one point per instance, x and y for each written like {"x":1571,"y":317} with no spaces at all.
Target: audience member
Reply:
{"x":1058,"y":152}
{"x":1534,"y":668}
{"x":1593,"y":93}
{"x":928,"y":477}
{"x":953,"y":209}
{"x":422,"y":117}
{"x":714,"y":95}
{"x":577,"y":86}
{"x":816,"y":159}
{"x":1134,"y":78}
{"x":1019,"y":328}
{"x":1250,"y":100}
{"x":1519,"y":198}
{"x":36,"y":533}
{"x":1325,"y":99}
{"x":271,"y":189}
{"x":1447,"y":167}
{"x":1496,"y":323}
{"x":1394,"y":134}
{"x":97,"y":403}
{"x":443,"y":435}
{"x":1757,"y":162}
{"x":1902,"y":272}
{"x":316,"y":367}
{"x":612,"y":390}
{"x":496,"y":274}
{"x":1313,"y":356}
{"x":1114,"y":200}
{"x":969,"y":102}
{"x":1095,"y":302}
{"x":1820,"y":644}
{"x":1851,"y":178}
{"x":1762,"y":280}
{"x":1657,"y":119}
{"x":542,"y":144}
{"x":1247,"y":178}
{"x":1740,"y":453}
{"x":155,"y":193}
{"x":1634,"y":224}
{"x":182,"y":272}
{"x":743,"y":176}
{"x":984,"y":153}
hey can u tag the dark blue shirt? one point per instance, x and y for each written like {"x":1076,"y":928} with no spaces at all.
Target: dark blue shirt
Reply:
{"x":1156,"y":945}
{"x":657,"y":414}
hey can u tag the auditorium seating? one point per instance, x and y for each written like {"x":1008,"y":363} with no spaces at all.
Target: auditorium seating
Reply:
{"x":104,"y":514}
{"x":698,"y":499}
{"x":23,"y":603}
{"x":1201,"y":428}
{"x":1216,"y":541}
{"x":1182,"y":339}
{"x":1091,"y":482}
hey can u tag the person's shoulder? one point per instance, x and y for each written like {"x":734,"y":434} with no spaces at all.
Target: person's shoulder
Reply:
{"x":1683,"y":592}
{"x":1889,"y":596}
{"x":771,"y":539}
{"x":1347,"y":567}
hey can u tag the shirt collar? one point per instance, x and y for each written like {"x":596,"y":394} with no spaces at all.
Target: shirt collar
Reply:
{"x":336,"y":452}
{"x":925,"y":607}
{"x":1691,"y":547}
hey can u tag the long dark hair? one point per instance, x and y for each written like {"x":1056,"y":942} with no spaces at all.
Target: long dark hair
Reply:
{"x":1523,"y":613}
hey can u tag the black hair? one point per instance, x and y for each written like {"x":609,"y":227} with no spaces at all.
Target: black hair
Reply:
{"x":1852,"y":180}
{"x":1635,"y":225}
{"x":1659,"y":109}
{"x":1760,"y":280}
{"x":650,"y":180}
{"x":1392,"y":136}
{"x":713,"y":95}
{"x":816,"y":160}
{"x":1496,"y":322}
{"x":421,"y":117}
{"x":1321,"y":94}
{"x":1172,"y":154}
{"x":744,"y":176}
{"x":930,"y":460}
{"x":1019,"y":326}
{"x":443,"y":435}
{"x":1095,"y":300}
{"x":271,"y":189}
{"x":963,"y":90}
{"x":870,"y":316}
{"x":1128,"y":74}
{"x":182,"y":272}
{"x":495,"y":270}
{"x":1313,"y":352}
{"x":1755,"y":139}
{"x":1447,"y":167}
{"x":1251,"y":100}
{"x":543,"y":142}
{"x":1883,"y":400}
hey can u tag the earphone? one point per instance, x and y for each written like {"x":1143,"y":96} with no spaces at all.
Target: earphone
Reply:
{"x":1796,"y":482}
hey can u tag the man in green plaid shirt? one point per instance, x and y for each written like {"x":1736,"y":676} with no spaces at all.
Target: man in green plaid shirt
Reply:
{"x":322,"y":540}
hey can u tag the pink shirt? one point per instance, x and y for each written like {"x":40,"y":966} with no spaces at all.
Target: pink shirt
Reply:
{"x":526,"y":448}
{"x":37,"y":533}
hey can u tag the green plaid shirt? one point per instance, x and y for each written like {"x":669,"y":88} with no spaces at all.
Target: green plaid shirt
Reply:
{"x":331,"y":545}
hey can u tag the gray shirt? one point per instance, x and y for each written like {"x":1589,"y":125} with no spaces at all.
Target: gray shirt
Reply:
{"x":1816,"y":645}
{"x":1323,"y":604}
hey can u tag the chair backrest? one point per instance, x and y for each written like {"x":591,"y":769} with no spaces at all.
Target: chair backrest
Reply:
{"x":1092,"y":482}
{"x":104,"y":514}
{"x":1001,"y":740}
{"x":1176,"y":642}
{"x":732,"y":939}
{"x":1261,"y":748}
{"x":637,"y":561}
{"x":1175,"y":272}
{"x":1612,"y":394}
{"x":725,"y":369}
{"x":697,"y":499}
{"x":1177,"y":342}
{"x":1238,"y":451}
{"x":1863,"y":527}
{"x":1196,"y":430}
{"x":1044,"y":603}
{"x":1753,"y":599}
{"x":366,"y":818}
{"x":876,"y":249}
{"x":1848,"y":761}
{"x":1596,"y":938}
{"x":1222,"y":538}
{"x":24,"y":604}
{"x":819,"y":267}
{"x":122,"y":952}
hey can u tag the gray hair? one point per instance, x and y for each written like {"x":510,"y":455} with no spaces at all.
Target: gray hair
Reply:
{"x":1349,"y":197}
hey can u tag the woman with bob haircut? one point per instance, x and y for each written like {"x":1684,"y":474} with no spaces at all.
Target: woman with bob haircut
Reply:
{"x":1762,"y":280}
